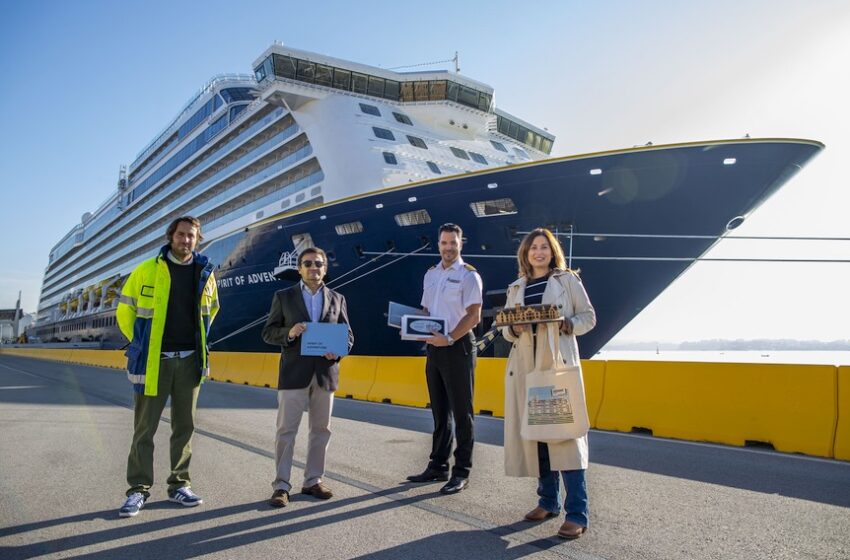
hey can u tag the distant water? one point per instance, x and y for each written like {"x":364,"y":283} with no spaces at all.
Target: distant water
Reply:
{"x":737,"y":356}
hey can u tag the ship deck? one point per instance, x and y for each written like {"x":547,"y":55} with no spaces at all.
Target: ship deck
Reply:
{"x":66,"y":431}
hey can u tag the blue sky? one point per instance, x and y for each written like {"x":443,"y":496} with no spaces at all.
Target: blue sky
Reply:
{"x":87,"y":84}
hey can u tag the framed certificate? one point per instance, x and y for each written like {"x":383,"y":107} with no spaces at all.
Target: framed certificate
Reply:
{"x":395,"y":312}
{"x":321,"y":338}
{"x":420,"y":327}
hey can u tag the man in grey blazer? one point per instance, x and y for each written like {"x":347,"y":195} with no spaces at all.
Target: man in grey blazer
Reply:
{"x":304,"y":382}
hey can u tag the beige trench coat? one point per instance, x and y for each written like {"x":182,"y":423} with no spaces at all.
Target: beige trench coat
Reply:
{"x":564,"y":289}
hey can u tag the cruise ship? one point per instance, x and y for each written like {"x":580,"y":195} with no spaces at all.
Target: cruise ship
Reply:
{"x":366,"y":163}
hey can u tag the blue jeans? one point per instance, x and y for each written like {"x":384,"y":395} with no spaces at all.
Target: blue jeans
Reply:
{"x":549,"y":489}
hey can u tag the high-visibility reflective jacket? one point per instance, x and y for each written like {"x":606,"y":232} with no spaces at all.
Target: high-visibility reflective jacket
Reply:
{"x":141,"y":312}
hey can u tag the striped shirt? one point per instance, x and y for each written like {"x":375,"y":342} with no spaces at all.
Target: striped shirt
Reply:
{"x":534,"y":289}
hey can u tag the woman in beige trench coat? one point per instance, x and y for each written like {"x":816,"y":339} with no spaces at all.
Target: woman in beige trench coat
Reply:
{"x":543,"y":272}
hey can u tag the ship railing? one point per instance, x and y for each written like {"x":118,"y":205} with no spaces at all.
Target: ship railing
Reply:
{"x":214,"y":81}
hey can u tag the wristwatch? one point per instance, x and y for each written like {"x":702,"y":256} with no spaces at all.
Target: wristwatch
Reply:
{"x":449,"y":339}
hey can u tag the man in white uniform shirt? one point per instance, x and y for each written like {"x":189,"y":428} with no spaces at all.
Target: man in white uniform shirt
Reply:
{"x":451,"y":290}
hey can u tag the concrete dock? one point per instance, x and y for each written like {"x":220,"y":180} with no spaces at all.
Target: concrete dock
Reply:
{"x":65,"y":432}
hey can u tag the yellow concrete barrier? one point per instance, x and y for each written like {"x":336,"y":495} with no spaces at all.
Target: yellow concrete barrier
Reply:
{"x":842,"y":429}
{"x":114,"y":359}
{"x":489,"y":396}
{"x":250,"y":368}
{"x":593,"y":372}
{"x":490,"y":386}
{"x":792,"y":407}
{"x":218,"y":365}
{"x":55,"y":354}
{"x":357,"y":376}
{"x":400,"y":380}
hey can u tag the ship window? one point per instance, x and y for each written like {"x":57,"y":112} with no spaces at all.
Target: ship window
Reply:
{"x":306,"y":71}
{"x":392,"y":90}
{"x":324,"y":75}
{"x":402,"y":118}
{"x":342,"y":79}
{"x":420,"y":91}
{"x":284,"y":66}
{"x":521,"y":153}
{"x":285,"y":203}
{"x":407,"y":91}
{"x":438,"y":90}
{"x":300,"y":197}
{"x":390,"y":158}
{"x":451,"y":91}
{"x":315,"y":190}
{"x":236,"y":110}
{"x":484,"y":101}
{"x":478,"y":157}
{"x":359,"y":82}
{"x":376,"y":86}
{"x":258,"y":215}
{"x":468,"y":96}
{"x":370,"y":109}
{"x":459,"y":153}
{"x":497,"y":207}
{"x":349,"y":228}
{"x":499,"y":146}
{"x":418,"y":142}
{"x":259,"y":73}
{"x":383,"y":133}
{"x":433,"y":167}
{"x":237,"y":94}
{"x":415,"y":218}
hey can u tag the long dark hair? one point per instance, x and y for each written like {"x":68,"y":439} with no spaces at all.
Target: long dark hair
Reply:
{"x":557,"y":262}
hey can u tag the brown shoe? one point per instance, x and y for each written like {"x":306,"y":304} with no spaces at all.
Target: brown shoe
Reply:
{"x":539,"y":514}
{"x":318,"y":490}
{"x":280,"y":499}
{"x":570,"y":530}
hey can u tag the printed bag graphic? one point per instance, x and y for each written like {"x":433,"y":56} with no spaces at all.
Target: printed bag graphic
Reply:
{"x":555,"y":408}
{"x":549,"y":405}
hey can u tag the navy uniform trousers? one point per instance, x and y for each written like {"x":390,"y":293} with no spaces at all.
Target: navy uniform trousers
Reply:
{"x":450,"y":372}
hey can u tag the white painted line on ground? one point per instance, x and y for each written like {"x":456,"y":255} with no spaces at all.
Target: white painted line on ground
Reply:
{"x":22,"y":387}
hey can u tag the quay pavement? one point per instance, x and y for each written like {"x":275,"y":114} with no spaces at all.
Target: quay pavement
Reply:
{"x":65,"y":432}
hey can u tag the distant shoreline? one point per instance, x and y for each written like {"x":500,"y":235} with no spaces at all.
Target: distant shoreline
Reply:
{"x":733,"y":345}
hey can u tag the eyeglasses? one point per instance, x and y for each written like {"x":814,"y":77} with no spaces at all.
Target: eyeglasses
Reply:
{"x":307,"y":263}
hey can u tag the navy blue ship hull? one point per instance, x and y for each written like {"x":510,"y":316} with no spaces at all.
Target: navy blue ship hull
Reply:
{"x":678,"y":190}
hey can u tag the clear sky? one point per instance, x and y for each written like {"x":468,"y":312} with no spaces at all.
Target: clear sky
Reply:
{"x":85,"y":85}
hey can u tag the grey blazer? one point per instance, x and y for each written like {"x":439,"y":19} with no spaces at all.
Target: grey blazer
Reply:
{"x":296,"y":371}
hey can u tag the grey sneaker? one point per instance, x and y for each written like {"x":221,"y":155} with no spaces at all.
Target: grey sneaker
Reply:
{"x":185,"y":497}
{"x":132,"y":505}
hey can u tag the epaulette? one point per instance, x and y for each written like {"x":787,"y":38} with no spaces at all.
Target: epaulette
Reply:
{"x":433,"y":267}
{"x":469,"y":267}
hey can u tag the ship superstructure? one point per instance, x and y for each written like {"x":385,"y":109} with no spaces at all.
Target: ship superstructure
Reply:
{"x":236,"y":155}
{"x":366,"y":163}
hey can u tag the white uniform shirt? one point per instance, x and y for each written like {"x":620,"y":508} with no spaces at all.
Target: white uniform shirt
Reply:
{"x":447,"y":292}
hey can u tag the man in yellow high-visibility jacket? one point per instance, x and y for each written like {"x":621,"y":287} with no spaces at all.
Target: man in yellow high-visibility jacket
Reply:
{"x":165,"y":310}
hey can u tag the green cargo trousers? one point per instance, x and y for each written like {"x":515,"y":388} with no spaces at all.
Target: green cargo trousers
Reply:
{"x":180,"y":379}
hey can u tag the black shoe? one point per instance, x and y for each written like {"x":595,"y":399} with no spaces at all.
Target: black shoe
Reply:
{"x":429,"y":475}
{"x":455,"y":485}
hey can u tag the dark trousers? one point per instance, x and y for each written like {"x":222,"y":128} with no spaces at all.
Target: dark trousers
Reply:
{"x":180,"y":379}
{"x":450,"y":373}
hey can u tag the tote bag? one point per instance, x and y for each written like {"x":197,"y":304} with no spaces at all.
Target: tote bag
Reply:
{"x":555,"y":409}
